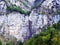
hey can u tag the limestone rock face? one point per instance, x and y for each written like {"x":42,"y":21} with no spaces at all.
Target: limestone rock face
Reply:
{"x":3,"y":7}
{"x":23,"y":27}
{"x":19,"y":26}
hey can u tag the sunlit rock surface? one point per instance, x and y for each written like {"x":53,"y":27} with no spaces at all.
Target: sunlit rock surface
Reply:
{"x":20,"y":26}
{"x":2,"y":7}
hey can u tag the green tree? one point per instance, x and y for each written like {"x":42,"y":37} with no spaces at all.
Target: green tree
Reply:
{"x":50,"y":36}
{"x":0,"y":42}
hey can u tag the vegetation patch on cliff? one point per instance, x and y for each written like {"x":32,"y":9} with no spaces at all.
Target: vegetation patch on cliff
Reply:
{"x":18,"y":9}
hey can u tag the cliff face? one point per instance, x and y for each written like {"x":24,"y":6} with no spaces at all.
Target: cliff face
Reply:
{"x":23,"y":27}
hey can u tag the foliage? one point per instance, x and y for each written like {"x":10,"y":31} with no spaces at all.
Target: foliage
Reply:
{"x":8,"y":43}
{"x":16,"y":43}
{"x":50,"y":36}
{"x":58,"y":11}
{"x":42,"y":13}
{"x":18,"y":9}
{"x":12,"y":43}
{"x":57,"y":26}
{"x":0,"y":42}
{"x":19,"y":43}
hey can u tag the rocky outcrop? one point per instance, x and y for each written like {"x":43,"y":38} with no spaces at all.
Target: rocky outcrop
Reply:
{"x":23,"y":26}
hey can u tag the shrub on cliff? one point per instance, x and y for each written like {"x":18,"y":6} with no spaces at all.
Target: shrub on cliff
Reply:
{"x":18,"y":9}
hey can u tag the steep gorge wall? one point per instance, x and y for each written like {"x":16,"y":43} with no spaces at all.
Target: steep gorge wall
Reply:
{"x":23,"y":27}
{"x":18,"y":24}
